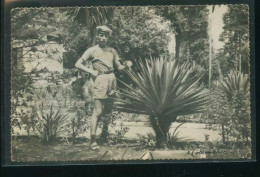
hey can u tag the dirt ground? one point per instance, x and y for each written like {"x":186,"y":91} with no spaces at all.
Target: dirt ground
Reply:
{"x":31,"y":149}
{"x":191,"y":138}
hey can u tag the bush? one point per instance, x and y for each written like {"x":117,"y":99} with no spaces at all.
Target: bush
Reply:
{"x":230,"y":108}
{"x":220,"y":113}
{"x":236,"y":87}
{"x":59,"y":113}
{"x":78,"y":124}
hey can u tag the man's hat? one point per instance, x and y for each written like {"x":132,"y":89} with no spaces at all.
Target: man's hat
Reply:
{"x":104,"y":29}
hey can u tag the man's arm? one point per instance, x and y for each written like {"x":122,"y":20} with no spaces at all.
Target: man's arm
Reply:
{"x":119,"y":66}
{"x":79,"y":64}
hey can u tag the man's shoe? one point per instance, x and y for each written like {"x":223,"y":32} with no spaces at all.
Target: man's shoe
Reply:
{"x":94,"y":147}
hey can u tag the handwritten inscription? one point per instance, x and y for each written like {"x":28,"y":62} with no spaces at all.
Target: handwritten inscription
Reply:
{"x":196,"y":152}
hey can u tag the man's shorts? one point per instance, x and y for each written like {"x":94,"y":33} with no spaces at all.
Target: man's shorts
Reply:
{"x":104,"y":86}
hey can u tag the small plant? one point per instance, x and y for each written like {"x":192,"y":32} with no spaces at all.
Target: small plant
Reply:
{"x":119,"y":134}
{"x":50,"y":124}
{"x":78,"y":124}
{"x":206,"y":136}
{"x":173,"y":137}
{"x":148,"y":141}
{"x":28,"y":119}
{"x":77,"y":87}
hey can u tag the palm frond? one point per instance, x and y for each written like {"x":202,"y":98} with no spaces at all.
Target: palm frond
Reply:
{"x":235,"y":82}
{"x":163,"y":88}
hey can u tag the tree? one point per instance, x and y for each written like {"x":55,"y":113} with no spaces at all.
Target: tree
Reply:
{"x":139,"y":33}
{"x":236,"y":38}
{"x":190,"y":28}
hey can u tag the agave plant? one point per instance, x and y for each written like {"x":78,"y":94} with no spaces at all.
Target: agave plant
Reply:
{"x":163,"y":90}
{"x":235,"y":83}
{"x":50,"y":124}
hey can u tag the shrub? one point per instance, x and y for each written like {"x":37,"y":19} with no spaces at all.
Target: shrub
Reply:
{"x":230,"y":108}
{"x":79,"y":123}
{"x":220,"y":113}
{"x":237,"y":89}
{"x":59,"y":113}
{"x":235,"y":83}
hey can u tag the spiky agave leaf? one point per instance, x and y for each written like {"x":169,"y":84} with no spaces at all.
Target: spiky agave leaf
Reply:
{"x":164,"y":89}
{"x":235,"y":82}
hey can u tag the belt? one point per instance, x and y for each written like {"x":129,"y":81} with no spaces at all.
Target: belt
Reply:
{"x":105,"y":72}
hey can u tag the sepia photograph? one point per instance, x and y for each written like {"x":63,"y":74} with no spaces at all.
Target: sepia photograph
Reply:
{"x":127,"y":83}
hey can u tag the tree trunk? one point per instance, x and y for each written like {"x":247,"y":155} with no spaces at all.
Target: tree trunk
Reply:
{"x":239,"y":55}
{"x":178,"y":42}
{"x":161,"y":128}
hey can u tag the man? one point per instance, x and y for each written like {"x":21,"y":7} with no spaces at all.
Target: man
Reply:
{"x":102,"y":58}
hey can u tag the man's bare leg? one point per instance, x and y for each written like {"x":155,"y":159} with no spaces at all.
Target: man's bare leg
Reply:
{"x":108,"y":106}
{"x":98,"y":110}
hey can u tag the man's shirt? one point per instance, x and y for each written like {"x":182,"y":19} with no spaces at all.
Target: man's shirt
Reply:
{"x":100,"y":57}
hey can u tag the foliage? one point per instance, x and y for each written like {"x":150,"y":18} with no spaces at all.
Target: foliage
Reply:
{"x":172,"y":138}
{"x":237,"y":89}
{"x":21,"y":93}
{"x":241,"y":118}
{"x":147,"y":141}
{"x":164,"y":90}
{"x":28,"y":26}
{"x":27,"y":118}
{"x":59,"y":100}
{"x":236,"y":38}
{"x":236,"y":83}
{"x":76,"y":41}
{"x":139,"y":33}
{"x":93,"y":17}
{"x":79,"y":123}
{"x":34,"y":24}
{"x":77,"y":87}
{"x":119,"y":134}
{"x":190,"y":26}
{"x":220,"y":113}
{"x":50,"y":124}
{"x":230,"y":108}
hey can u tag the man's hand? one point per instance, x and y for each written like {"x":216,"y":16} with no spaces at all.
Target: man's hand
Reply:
{"x":95,"y":73}
{"x":129,"y":64}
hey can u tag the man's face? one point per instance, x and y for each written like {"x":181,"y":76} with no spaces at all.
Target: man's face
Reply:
{"x":102,"y":38}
